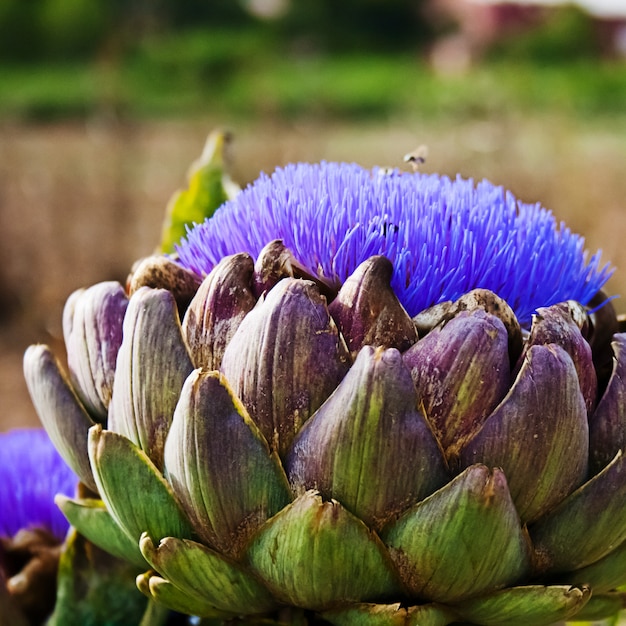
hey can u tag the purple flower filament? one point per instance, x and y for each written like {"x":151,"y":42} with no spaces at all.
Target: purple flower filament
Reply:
{"x":31,"y":474}
{"x":444,"y":237}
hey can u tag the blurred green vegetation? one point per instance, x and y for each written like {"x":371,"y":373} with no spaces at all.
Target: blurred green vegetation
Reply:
{"x":322,"y":59}
{"x":566,"y":35}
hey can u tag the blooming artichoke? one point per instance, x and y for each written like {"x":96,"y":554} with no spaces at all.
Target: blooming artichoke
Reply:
{"x":31,"y":527}
{"x":392,"y":399}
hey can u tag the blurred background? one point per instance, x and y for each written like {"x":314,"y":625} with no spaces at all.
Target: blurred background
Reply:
{"x":105,"y":103}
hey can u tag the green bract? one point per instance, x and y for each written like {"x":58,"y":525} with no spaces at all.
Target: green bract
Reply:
{"x":342,"y":458}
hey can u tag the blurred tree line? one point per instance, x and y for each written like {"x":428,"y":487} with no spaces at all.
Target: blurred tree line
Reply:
{"x":52,"y":30}
{"x":63,"y":58}
{"x":42,"y":30}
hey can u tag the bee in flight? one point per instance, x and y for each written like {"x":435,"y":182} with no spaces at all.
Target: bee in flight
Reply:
{"x":417,"y":157}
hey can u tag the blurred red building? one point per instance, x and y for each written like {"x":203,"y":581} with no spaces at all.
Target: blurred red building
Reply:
{"x":479,"y":24}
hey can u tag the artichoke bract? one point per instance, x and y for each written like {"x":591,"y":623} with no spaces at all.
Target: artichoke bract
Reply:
{"x":392,"y":399}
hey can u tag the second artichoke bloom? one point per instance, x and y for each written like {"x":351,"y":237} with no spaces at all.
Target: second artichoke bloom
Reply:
{"x":387,"y":401}
{"x":31,"y":526}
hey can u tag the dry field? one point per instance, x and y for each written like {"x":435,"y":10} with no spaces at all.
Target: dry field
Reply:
{"x":79,"y":202}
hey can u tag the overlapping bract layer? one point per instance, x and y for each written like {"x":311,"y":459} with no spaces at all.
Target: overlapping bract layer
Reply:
{"x":283,"y":451}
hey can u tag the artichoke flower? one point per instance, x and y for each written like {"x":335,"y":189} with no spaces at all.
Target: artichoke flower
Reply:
{"x":354,"y":396}
{"x":31,"y":526}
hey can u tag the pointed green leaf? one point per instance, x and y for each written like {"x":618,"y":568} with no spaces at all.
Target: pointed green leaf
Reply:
{"x":92,"y":520}
{"x":522,"y":606}
{"x":463,"y":540}
{"x":461,"y":372}
{"x":136,"y":494}
{"x":166,"y":594}
{"x":209,"y":187}
{"x":204,"y":574}
{"x":604,"y":575}
{"x":219,"y":306}
{"x":587,"y":525}
{"x":541,"y":424}
{"x":602,"y":607}
{"x":314,"y":553}
{"x":220,"y":465}
{"x":285,"y":359}
{"x":95,"y":588}
{"x":152,"y":365}
{"x":350,"y":449}
{"x":391,"y":615}
{"x":63,"y":416}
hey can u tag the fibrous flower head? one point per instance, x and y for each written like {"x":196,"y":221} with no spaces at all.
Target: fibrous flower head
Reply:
{"x":31,"y":473}
{"x":444,"y":237}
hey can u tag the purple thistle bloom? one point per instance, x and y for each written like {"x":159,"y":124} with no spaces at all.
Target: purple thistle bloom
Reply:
{"x":31,"y":474}
{"x":444,"y":237}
